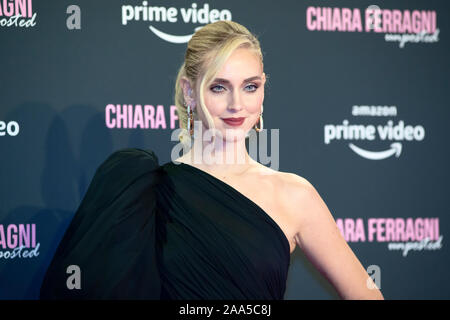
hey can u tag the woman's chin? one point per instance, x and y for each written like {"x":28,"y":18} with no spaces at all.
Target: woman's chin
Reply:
{"x":233,"y":135}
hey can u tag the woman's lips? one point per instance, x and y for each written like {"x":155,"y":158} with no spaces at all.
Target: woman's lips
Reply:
{"x":235,"y":122}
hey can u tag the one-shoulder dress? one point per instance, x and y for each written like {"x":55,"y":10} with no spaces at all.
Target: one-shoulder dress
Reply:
{"x":162,"y":232}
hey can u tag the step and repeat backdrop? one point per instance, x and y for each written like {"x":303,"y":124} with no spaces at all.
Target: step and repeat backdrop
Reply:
{"x":359,"y":91}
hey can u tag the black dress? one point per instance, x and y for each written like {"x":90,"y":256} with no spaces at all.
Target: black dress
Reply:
{"x":172,"y":231}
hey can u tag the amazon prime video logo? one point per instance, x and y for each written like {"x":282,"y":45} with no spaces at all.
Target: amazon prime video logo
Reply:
{"x":393,"y":132}
{"x":156,"y":16}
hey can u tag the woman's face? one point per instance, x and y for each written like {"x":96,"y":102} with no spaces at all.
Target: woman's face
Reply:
{"x":236,"y":92}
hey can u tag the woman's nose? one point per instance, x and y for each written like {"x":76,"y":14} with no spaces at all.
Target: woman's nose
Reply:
{"x":236,"y":101}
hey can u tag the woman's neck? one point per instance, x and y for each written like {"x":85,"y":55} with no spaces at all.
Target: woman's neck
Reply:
{"x":221,"y":156}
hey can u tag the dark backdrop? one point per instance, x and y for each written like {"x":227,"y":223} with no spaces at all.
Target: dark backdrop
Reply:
{"x":56,"y":81}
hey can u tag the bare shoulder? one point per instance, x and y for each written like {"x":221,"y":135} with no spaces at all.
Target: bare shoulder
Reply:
{"x":299,"y":196}
{"x":296,"y":184}
{"x":291,"y":189}
{"x":288,"y":184}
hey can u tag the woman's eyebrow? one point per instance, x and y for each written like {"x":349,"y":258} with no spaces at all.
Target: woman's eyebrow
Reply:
{"x":227,"y":81}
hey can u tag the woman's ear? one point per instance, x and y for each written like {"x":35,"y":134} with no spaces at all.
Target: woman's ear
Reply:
{"x":188,"y":92}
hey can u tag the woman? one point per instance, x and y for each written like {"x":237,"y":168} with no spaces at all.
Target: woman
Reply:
{"x":210,"y":229}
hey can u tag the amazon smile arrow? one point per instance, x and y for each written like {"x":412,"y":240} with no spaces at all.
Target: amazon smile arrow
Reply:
{"x":396,"y":148}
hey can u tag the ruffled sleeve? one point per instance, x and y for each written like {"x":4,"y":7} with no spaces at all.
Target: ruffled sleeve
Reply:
{"x":112,"y":236}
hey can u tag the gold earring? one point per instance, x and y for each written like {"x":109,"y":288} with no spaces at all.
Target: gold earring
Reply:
{"x":260,"y":121}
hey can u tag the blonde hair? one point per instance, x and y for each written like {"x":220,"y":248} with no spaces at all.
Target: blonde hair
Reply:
{"x":207,"y":51}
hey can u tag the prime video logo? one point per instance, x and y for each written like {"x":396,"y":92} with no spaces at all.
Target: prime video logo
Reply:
{"x":193,"y":14}
{"x":394,"y":133}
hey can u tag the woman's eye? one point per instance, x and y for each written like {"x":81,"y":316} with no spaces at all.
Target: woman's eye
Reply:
{"x":252,"y":86}
{"x":216,"y":86}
